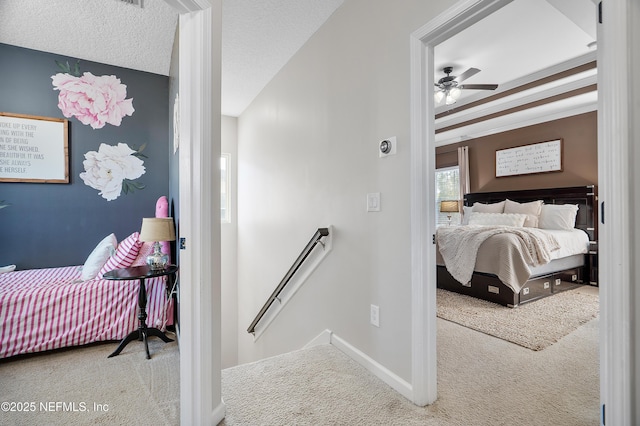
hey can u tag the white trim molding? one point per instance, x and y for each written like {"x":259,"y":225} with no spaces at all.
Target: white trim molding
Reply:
{"x":389,"y":377}
{"x":200,"y":323}
{"x":423,"y":267}
{"x":618,"y":275}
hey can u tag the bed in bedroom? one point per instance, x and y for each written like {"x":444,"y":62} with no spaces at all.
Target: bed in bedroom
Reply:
{"x":52,"y":308}
{"x":518,"y":246}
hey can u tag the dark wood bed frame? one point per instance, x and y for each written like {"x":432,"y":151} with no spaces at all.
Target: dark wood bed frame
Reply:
{"x":489,"y":287}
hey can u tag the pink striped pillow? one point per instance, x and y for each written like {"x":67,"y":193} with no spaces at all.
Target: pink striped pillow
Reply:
{"x":145,"y":251}
{"x":125,"y":255}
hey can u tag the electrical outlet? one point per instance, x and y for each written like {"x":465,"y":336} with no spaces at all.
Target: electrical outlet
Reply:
{"x":375,"y":316}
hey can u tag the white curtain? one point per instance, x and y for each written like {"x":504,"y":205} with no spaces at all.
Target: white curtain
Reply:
{"x":463,"y":165}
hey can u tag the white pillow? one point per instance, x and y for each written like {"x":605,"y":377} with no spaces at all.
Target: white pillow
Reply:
{"x":98,"y":257}
{"x":497,"y":219}
{"x":489,"y":208}
{"x":532,"y":210}
{"x":466,"y":214}
{"x":8,"y":268}
{"x":558,"y":216}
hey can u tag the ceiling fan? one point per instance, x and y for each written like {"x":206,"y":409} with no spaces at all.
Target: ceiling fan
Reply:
{"x":449,"y":87}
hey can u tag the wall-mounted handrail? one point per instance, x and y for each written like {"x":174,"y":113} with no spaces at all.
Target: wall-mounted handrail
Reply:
{"x":320,"y":233}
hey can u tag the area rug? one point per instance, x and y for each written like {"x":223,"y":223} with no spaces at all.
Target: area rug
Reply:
{"x":534,"y":325}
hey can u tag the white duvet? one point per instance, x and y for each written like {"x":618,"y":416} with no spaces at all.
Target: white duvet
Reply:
{"x":506,"y":252}
{"x":574,"y":241}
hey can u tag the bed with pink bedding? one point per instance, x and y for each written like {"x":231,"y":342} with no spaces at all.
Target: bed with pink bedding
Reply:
{"x":52,"y":308}
{"x":43,"y":309}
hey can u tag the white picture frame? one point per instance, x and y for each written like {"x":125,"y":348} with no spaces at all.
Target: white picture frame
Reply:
{"x":542,"y":157}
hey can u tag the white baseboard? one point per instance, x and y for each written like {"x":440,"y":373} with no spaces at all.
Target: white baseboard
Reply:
{"x":323,"y":338}
{"x":390,"y":378}
{"x":218,"y":413}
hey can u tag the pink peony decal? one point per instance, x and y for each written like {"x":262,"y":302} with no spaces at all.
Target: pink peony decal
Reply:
{"x":112,"y":169}
{"x":94,"y":100}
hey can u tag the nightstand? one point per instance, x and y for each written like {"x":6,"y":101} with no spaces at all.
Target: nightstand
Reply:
{"x":593,"y":262}
{"x":140,"y":273}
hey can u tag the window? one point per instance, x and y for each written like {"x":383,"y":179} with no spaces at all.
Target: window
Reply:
{"x":225,"y":214}
{"x":447,"y":188}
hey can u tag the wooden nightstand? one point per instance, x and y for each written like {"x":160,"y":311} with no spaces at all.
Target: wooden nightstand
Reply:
{"x":140,"y":273}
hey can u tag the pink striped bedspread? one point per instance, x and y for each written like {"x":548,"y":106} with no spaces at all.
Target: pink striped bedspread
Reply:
{"x":42,"y":309}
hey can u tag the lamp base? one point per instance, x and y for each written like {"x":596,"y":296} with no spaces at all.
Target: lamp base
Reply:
{"x":157,"y":260}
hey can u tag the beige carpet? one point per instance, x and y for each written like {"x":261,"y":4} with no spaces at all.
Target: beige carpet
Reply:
{"x":81,"y":386}
{"x":534,"y":325}
{"x":482,"y":381}
{"x":316,"y":386}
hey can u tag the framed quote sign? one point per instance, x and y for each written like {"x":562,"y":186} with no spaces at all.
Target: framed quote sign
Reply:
{"x":33,"y":149}
{"x":540,"y":157}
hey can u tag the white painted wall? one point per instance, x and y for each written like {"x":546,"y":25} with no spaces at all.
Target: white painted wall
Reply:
{"x":307,"y":157}
{"x":229,"y":249}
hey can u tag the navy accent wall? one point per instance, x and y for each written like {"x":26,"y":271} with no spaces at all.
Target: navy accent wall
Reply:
{"x":48,"y":225}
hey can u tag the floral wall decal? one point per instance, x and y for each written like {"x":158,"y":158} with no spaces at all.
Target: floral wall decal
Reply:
{"x":112,"y":170}
{"x":94,"y":100}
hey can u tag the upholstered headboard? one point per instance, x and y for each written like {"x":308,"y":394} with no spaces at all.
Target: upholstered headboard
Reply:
{"x":586,"y":197}
{"x":162,"y":210}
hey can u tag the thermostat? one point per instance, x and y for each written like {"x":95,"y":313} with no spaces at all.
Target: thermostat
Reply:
{"x":387,"y":146}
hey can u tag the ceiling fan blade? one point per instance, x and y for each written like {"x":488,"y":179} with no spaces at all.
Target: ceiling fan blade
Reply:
{"x":479,"y":86}
{"x":468,"y":73}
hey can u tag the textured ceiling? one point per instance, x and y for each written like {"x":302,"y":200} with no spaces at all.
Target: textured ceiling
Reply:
{"x":259,"y":37}
{"x":107,"y":31}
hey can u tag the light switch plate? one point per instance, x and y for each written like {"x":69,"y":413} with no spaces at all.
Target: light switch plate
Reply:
{"x":373,"y":202}
{"x":375,"y":316}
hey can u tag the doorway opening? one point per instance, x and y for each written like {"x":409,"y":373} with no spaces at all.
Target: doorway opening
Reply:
{"x":423,"y":145}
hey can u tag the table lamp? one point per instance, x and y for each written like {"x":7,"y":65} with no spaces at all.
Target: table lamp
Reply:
{"x":449,"y":206}
{"x":156,"y":229}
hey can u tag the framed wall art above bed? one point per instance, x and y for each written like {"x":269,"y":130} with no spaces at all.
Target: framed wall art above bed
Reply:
{"x":33,"y":149}
{"x":540,"y":157}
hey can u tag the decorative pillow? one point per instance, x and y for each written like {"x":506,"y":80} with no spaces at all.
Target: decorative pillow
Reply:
{"x":8,"y":268}
{"x":124,"y":256}
{"x":489,"y":208}
{"x":497,"y":219}
{"x":145,"y":251}
{"x":98,"y":257}
{"x":558,"y":216}
{"x":466,"y":214}
{"x":532,"y":210}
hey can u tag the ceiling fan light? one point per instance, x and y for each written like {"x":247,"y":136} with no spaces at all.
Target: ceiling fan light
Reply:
{"x":455,"y":93}
{"x":438,"y":96}
{"x":449,"y":100}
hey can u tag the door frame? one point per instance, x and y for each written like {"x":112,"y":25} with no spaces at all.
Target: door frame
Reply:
{"x":423,"y":267}
{"x":614,"y":187}
{"x":200,"y":38}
